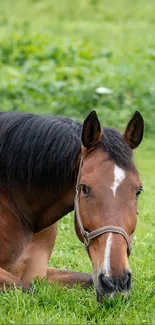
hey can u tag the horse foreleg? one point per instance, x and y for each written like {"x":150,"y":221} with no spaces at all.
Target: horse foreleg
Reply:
{"x":8,"y":280}
{"x":35,"y":262}
{"x":36,"y":255}
{"x":69,"y":278}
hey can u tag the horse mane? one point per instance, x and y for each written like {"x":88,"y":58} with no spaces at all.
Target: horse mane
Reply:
{"x":39,"y":152}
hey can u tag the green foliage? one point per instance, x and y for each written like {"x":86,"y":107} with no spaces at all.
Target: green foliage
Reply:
{"x":53,"y":56}
{"x":56,"y":67}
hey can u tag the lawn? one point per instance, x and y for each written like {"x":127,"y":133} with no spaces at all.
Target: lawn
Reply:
{"x":53,"y":57}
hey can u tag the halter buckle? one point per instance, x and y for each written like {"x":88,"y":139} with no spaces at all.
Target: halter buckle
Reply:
{"x":85,"y":238}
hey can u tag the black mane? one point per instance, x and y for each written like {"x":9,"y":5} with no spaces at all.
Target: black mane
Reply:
{"x":40,"y":151}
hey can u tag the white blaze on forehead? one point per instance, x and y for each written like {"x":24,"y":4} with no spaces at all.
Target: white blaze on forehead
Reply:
{"x":106,"y":264}
{"x":119,"y":175}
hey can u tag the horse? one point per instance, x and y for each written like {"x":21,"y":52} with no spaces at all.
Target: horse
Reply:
{"x":48,"y":166}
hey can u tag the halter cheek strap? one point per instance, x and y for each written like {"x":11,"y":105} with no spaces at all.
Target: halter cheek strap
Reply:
{"x":89,"y":236}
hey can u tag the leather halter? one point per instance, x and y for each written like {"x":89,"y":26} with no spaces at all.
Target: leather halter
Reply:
{"x":88,"y":236}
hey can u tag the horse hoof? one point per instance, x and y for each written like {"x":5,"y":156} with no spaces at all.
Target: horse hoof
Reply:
{"x":29,"y":289}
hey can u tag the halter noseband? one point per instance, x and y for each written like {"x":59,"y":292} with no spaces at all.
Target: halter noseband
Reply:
{"x":88,"y":236}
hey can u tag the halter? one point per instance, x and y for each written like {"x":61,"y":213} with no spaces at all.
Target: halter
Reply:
{"x":88,"y":236}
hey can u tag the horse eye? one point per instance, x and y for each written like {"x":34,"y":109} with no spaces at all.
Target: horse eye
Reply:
{"x":85,"y":189}
{"x":138,"y":191}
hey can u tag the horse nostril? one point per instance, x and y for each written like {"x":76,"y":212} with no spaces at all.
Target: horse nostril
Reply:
{"x":127,"y":280}
{"x":120,"y":284}
{"x":106,"y":282}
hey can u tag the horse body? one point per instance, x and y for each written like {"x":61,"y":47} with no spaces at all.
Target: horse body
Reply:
{"x":39,"y":163}
{"x":33,"y":196}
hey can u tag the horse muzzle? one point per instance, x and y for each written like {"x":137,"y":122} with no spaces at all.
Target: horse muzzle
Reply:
{"x":107,"y":286}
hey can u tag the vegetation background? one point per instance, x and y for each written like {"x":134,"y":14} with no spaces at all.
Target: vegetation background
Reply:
{"x":53,"y":57}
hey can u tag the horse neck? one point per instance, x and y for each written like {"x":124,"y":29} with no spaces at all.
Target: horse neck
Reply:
{"x":49,"y":193}
{"x":57,"y":201}
{"x":59,"y":204}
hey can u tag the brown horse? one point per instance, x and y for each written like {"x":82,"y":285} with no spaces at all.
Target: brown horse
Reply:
{"x":42,"y":159}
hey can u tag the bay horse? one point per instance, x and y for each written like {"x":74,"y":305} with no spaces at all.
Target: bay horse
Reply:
{"x":45,"y":163}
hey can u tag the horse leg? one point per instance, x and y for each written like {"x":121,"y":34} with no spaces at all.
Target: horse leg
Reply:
{"x":14,"y":236}
{"x":8,"y":280}
{"x":35,"y":260}
{"x":36,"y":255}
{"x":69,"y":278}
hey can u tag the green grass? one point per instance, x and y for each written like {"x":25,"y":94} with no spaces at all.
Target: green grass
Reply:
{"x":53,"y":55}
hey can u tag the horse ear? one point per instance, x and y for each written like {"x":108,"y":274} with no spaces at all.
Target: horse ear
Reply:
{"x":91,"y":131}
{"x":134,"y":131}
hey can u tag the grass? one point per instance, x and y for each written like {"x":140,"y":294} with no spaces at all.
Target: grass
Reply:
{"x":53,"y":56}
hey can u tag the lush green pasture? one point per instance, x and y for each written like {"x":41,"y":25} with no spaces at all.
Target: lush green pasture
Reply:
{"x":53,"y":56}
